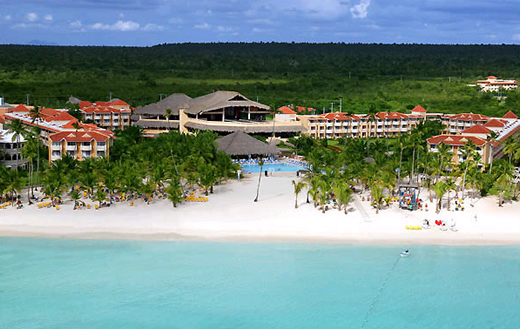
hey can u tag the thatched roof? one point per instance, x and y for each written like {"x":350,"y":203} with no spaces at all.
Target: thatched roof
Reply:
{"x":252,"y":129}
{"x":219,"y":100}
{"x":173,"y":102}
{"x":240,"y":143}
{"x":157,"y":124}
{"x":73,"y":100}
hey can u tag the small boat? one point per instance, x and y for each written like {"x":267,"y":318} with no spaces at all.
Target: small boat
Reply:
{"x":405,"y":253}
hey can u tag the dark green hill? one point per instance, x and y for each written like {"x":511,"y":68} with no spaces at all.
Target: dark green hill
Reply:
{"x":385,"y":77}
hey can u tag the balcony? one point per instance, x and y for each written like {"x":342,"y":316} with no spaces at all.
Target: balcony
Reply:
{"x":247,"y":127}
{"x":86,"y":147}
{"x":101,"y":148}
{"x":71,"y":147}
{"x":56,"y":146}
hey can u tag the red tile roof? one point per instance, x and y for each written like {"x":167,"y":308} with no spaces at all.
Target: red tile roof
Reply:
{"x":102,"y":109}
{"x":510,"y":115}
{"x":418,"y":108}
{"x":84,"y":104}
{"x":492,"y":77}
{"x":476,"y":129}
{"x":286,"y":110}
{"x":60,"y":116}
{"x":20,"y":108}
{"x":391,"y":115}
{"x":300,"y":109}
{"x":79,"y":136}
{"x":494,"y":123}
{"x":468,"y":117}
{"x":456,"y":140}
{"x":118,"y":102}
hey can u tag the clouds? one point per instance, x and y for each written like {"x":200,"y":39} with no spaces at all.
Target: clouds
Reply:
{"x":202,"y":26}
{"x":31,"y":17}
{"x":360,"y":10}
{"x":120,"y":25}
{"x":148,"y":22}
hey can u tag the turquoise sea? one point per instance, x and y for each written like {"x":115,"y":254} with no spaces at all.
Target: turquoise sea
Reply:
{"x":47,"y":283}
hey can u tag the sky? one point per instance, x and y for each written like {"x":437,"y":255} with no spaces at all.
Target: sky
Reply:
{"x":151,"y":22}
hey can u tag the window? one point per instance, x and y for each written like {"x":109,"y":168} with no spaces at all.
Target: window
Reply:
{"x":101,"y":144}
{"x":70,"y":153}
{"x":56,"y":153}
{"x":85,"y":144}
{"x":56,"y":143}
{"x":71,"y":143}
{"x":85,"y":154}
{"x":101,"y":153}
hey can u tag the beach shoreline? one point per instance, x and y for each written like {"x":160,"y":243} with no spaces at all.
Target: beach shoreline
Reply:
{"x":366,"y":240}
{"x":231,"y":215}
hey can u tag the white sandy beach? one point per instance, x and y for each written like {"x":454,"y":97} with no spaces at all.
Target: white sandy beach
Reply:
{"x":231,"y":214}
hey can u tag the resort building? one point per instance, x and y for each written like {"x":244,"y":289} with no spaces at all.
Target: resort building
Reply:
{"x":489,"y":139}
{"x":495,"y":84}
{"x":455,"y":123}
{"x":79,"y":145}
{"x":339,"y":125}
{"x":160,"y":117}
{"x":11,"y":150}
{"x":112,"y":115}
{"x":222,"y":112}
{"x":64,"y":134}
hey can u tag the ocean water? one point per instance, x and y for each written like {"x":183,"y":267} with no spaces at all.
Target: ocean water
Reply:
{"x":47,"y":283}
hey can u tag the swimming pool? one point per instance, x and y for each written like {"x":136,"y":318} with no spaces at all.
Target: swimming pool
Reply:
{"x":270,"y":167}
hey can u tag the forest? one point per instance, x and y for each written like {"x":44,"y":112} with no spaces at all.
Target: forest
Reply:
{"x":385,"y":77}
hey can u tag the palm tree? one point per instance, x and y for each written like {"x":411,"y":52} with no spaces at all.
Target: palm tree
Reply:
{"x":29,"y":153}
{"x":512,"y":148}
{"x":13,"y":183}
{"x":445,"y":156}
{"x":492,"y":138}
{"x":174,"y":192}
{"x":343,"y":195}
{"x":401,"y":143}
{"x":504,"y":176}
{"x":416,"y":144}
{"x":18,"y":129}
{"x":261,"y":163}
{"x":100,"y":196}
{"x":440,"y":189}
{"x":75,"y":196}
{"x":450,"y":185}
{"x":376,"y":190}
{"x":298,"y":187}
{"x":36,"y":116}
{"x":36,"y":132}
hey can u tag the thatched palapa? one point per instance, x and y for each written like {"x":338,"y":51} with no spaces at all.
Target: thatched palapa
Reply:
{"x":173,"y":102}
{"x":220,"y":100}
{"x":240,"y":143}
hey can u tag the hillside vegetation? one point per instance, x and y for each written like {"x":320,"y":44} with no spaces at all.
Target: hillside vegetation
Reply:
{"x":364,"y":76}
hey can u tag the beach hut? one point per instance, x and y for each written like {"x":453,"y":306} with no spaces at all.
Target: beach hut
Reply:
{"x":239,"y":143}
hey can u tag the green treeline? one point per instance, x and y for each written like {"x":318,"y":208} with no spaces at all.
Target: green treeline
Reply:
{"x":364,"y":76}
